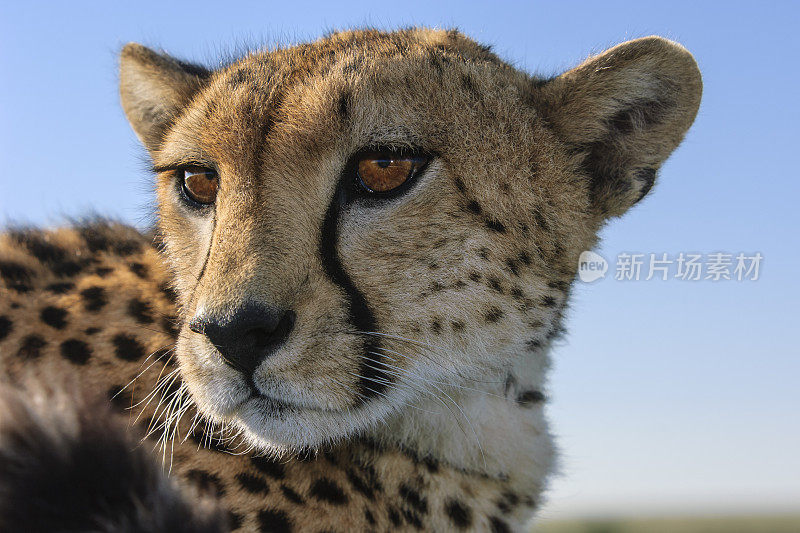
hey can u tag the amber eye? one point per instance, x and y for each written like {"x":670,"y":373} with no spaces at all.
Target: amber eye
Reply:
{"x":381,"y":172}
{"x":200,"y":184}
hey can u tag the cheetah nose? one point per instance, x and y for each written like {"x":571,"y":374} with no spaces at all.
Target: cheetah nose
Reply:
{"x":247,"y":336}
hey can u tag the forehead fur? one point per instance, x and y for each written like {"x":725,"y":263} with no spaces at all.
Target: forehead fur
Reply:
{"x":380,"y":84}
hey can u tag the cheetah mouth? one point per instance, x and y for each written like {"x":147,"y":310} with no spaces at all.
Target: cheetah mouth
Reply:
{"x":272,"y":406}
{"x":273,"y":403}
{"x":280,"y":426}
{"x":254,"y":393}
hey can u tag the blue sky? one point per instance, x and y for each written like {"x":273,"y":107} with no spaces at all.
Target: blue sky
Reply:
{"x":668,"y":396}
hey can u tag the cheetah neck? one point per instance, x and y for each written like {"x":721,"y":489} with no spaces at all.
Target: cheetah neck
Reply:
{"x":495,"y":428}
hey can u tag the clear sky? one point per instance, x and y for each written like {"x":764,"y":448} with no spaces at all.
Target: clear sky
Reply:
{"x":667,"y":395}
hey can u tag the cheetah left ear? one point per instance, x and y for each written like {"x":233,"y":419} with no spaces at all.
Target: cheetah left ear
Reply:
{"x":154,"y":88}
{"x":625,"y":110}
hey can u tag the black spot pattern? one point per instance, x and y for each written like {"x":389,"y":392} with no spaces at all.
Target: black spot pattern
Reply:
{"x":5,"y":327}
{"x":530,"y":397}
{"x":206,"y":481}
{"x":139,"y":269}
{"x":540,"y":220}
{"x":50,"y":255}
{"x":60,"y":288}
{"x":94,"y":298}
{"x":252,"y":484}
{"x":394,"y":517}
{"x":474,"y":207}
{"x":412,"y":518}
{"x":344,"y":106}
{"x":140,"y":311}
{"x":127,"y":348}
{"x":494,"y":283}
{"x":431,"y":464}
{"x":512,"y":266}
{"x":494,"y":314}
{"x":360,"y":484}
{"x":235,"y":520}
{"x":495,"y":225}
{"x":498,"y":525}
{"x":326,"y":490}
{"x":17,"y":277}
{"x":269,"y":467}
{"x":76,"y":351}
{"x":460,"y":515}
{"x":54,"y":317}
{"x":292,"y":496}
{"x":274,"y":521}
{"x":99,"y":237}
{"x":413,"y":498}
{"x":507,"y":502}
{"x":31,"y":347}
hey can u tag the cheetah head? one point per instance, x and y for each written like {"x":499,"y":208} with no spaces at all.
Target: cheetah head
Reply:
{"x":359,"y":221}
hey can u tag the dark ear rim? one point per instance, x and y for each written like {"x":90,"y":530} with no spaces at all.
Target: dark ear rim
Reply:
{"x":153,"y":87}
{"x":622,"y":113}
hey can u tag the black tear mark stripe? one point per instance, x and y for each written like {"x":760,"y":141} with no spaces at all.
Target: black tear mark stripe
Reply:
{"x":373,"y":380}
{"x":208,"y":254}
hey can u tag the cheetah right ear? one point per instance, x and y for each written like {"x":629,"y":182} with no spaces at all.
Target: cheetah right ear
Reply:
{"x":624,"y":111}
{"x":153,"y":88}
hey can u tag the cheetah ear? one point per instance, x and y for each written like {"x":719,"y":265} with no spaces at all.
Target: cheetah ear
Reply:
{"x":625,"y":111}
{"x":153,"y":88}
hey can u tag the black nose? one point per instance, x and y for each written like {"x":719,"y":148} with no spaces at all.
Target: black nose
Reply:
{"x":247,"y":336}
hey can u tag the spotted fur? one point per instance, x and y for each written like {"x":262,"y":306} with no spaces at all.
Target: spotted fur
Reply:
{"x":410,"y":392}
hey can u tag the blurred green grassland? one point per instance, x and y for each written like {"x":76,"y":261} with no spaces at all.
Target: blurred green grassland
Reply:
{"x":739,"y":524}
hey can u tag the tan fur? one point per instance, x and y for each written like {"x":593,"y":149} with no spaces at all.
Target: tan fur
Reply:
{"x":467,"y":274}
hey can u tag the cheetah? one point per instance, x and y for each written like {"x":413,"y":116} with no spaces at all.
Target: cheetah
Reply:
{"x":364,"y":251}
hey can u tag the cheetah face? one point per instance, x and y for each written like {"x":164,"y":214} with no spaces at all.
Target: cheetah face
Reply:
{"x":358,"y":223}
